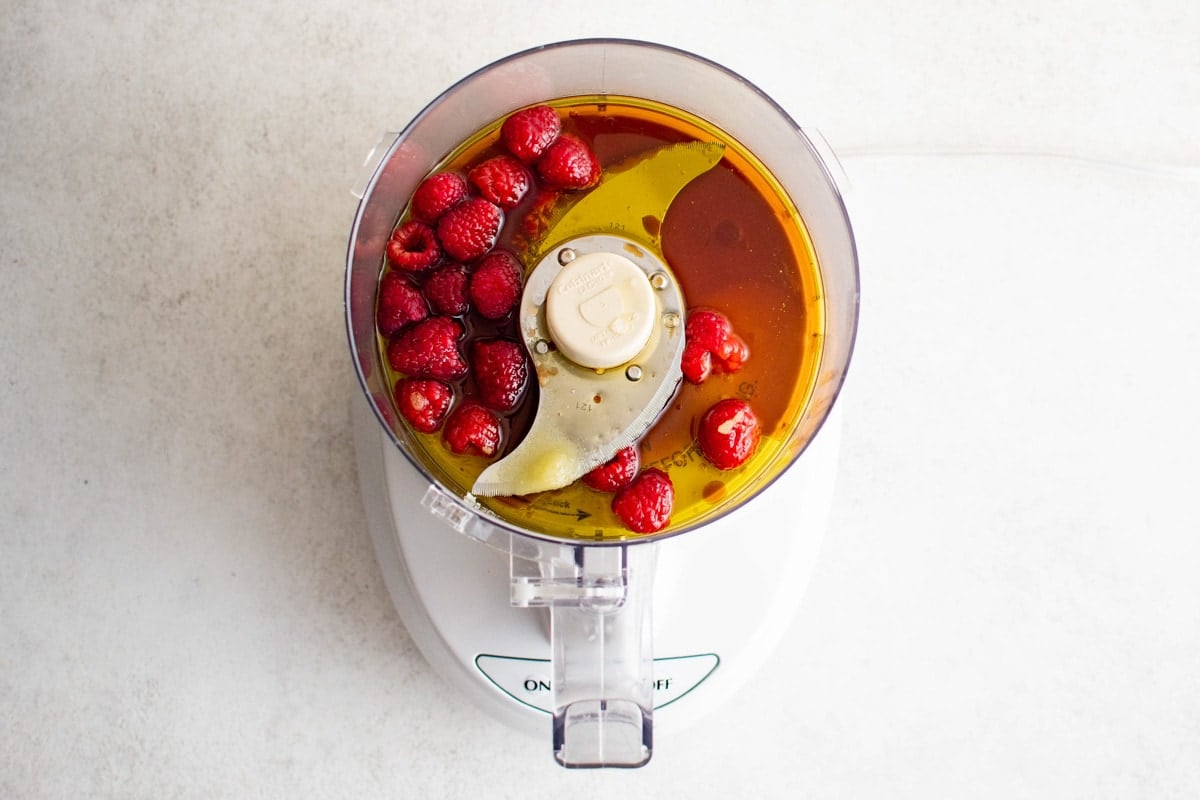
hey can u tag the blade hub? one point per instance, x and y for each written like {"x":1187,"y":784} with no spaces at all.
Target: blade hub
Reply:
{"x":600,"y":309}
{"x":593,"y":398}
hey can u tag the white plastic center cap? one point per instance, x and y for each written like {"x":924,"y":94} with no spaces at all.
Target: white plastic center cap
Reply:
{"x":600,"y":310}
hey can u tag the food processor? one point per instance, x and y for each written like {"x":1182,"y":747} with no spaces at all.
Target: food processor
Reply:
{"x":599,"y":641}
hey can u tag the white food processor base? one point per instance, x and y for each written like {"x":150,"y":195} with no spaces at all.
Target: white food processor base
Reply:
{"x":723,"y":594}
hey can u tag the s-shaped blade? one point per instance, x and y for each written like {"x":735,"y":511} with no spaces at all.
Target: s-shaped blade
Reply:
{"x":602,"y":319}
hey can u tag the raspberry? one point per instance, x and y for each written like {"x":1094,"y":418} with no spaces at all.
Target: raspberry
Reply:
{"x":697,"y":362}
{"x":541,"y":210}
{"x":644,"y":506}
{"x":495,"y":285}
{"x":469,"y":230}
{"x":428,"y":349}
{"x":569,"y":164}
{"x":400,"y":304}
{"x":437,"y":194}
{"x":616,"y":473}
{"x":472,"y":429}
{"x":528,"y":132}
{"x":711,"y":346}
{"x":423,"y":403}
{"x":732,"y":354}
{"x":414,"y":247}
{"x":729,"y":433}
{"x":446,"y":290}
{"x":500,"y":371}
{"x":501,"y":180}
{"x":708,"y":328}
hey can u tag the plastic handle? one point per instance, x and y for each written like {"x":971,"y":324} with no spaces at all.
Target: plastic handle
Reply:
{"x":601,"y":652}
{"x":603,"y":663}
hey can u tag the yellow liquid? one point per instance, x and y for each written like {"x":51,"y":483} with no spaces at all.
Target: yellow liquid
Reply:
{"x":737,"y":245}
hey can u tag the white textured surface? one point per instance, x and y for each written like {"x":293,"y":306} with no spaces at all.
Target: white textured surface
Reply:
{"x":1007,"y":604}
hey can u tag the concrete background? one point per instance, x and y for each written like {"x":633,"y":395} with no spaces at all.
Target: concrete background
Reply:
{"x":1007,"y":604}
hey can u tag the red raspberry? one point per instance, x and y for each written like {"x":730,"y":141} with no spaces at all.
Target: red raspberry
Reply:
{"x":446,"y":290}
{"x":437,"y":194}
{"x":711,"y":346}
{"x":616,"y":473}
{"x":428,"y":349}
{"x":645,"y":504}
{"x":495,"y":286}
{"x":697,"y":362}
{"x":541,"y":210}
{"x":500,"y":371}
{"x":528,"y":132}
{"x":732,"y":354}
{"x":423,"y":403}
{"x":400,"y":303}
{"x":569,"y":164}
{"x":472,"y":429}
{"x":729,"y":433}
{"x":469,"y":230}
{"x":708,"y":328}
{"x":501,"y":180}
{"x":414,"y":247}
